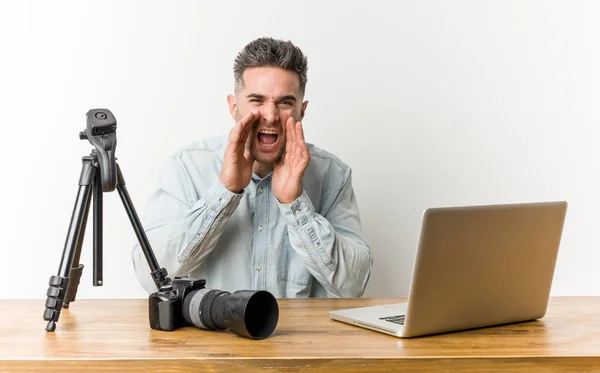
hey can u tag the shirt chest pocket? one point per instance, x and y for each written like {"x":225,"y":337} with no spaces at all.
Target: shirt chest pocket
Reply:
{"x":292,"y":266}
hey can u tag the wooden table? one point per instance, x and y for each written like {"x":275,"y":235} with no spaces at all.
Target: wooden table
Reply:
{"x":114,"y":335}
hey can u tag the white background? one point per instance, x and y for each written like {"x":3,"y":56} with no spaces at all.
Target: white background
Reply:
{"x":433,"y":103}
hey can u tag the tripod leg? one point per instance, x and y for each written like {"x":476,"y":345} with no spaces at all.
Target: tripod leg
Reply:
{"x":158,"y":274}
{"x":97,"y":274}
{"x":76,"y":267}
{"x":58,"y":284}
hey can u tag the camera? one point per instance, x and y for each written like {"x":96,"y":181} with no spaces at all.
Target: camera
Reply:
{"x":187,"y":302}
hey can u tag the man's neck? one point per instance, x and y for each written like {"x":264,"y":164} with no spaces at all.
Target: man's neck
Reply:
{"x":262,"y":169}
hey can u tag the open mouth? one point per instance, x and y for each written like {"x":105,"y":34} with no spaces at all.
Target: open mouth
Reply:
{"x":267,"y":138}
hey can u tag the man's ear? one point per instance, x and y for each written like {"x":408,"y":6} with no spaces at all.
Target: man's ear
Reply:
{"x":232,"y":102}
{"x":303,"y":109}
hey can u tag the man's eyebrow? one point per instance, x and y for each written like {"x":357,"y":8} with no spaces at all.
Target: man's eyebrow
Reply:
{"x":255,"y":95}
{"x":288,"y":97}
{"x":261,"y":97}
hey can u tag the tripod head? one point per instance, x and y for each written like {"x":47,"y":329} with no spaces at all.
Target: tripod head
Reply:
{"x":101,"y":131}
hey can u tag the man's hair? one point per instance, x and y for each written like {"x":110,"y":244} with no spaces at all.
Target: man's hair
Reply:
{"x":269,"y":52}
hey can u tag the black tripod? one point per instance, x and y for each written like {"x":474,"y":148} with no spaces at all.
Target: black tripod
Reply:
{"x":99,"y":173}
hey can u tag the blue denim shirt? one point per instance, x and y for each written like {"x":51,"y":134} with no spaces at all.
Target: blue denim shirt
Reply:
{"x":312,"y":247}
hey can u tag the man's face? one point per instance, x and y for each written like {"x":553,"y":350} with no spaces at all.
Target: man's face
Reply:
{"x":275,"y":94}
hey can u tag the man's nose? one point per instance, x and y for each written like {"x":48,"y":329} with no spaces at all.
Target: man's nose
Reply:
{"x":270,"y":112}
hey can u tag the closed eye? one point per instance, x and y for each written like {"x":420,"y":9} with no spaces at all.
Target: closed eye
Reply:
{"x":288,"y":100}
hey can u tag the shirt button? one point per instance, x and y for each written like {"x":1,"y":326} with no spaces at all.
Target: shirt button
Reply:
{"x":260,"y":228}
{"x":258,"y":268}
{"x":297,"y":212}
{"x":261,"y":190}
{"x":222,"y":201}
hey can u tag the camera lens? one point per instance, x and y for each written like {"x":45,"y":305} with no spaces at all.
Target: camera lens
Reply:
{"x":252,"y":314}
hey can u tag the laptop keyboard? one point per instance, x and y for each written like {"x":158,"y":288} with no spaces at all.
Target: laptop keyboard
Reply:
{"x":398,"y":319}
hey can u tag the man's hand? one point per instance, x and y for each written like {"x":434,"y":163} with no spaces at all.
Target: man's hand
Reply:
{"x":289,"y":169}
{"x":236,"y":171}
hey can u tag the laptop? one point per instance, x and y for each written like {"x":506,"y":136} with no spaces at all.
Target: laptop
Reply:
{"x":476,"y":266}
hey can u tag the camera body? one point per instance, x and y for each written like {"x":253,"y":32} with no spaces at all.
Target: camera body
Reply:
{"x":166,"y":305}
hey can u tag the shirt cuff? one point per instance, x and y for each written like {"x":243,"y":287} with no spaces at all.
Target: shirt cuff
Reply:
{"x":218,"y":197}
{"x":298,"y":212}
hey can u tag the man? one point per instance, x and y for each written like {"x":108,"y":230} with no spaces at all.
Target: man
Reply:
{"x":259,"y":209}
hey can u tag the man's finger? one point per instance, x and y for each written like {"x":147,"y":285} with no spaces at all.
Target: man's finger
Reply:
{"x":248,"y":118}
{"x":280,"y":162}
{"x":248,"y":156}
{"x":299,"y":133}
{"x":245,"y":133}
{"x":239,"y":133}
{"x":247,"y":122}
{"x":289,"y":131}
